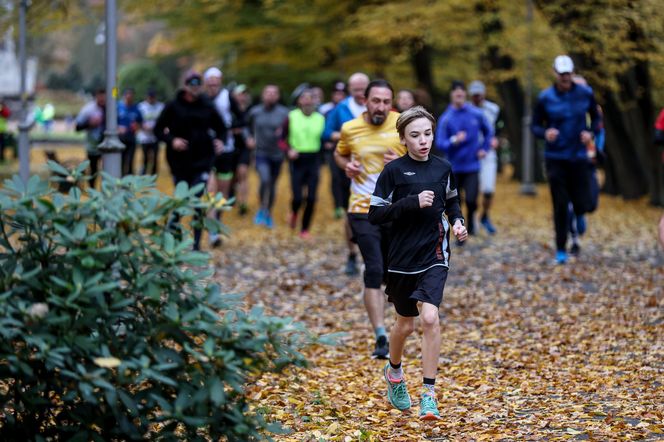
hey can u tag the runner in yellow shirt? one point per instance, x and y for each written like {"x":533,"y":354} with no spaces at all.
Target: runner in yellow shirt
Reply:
{"x":367,"y":143}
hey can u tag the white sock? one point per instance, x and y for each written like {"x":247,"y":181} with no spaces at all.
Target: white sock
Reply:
{"x":395,"y":373}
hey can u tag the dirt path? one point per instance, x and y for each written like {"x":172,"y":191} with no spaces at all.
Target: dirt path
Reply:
{"x":530,"y":350}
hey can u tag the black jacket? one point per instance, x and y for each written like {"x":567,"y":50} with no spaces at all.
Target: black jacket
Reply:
{"x":197,"y":122}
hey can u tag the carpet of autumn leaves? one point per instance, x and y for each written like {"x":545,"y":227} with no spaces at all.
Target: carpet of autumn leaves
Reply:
{"x":530,"y":351}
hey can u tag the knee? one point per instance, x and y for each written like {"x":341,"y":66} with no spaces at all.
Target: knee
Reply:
{"x":430,"y":320}
{"x":406,"y":327}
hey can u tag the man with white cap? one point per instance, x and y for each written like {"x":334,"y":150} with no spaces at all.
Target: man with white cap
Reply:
{"x":488,"y":164}
{"x":225,"y":162}
{"x":561,"y":119}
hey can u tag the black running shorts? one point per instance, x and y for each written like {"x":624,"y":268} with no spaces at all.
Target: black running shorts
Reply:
{"x":373,"y":242}
{"x":406,"y":290}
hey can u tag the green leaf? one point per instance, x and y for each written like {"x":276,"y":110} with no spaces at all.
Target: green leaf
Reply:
{"x":128,"y":402}
{"x":217,"y":395}
{"x":181,"y":190}
{"x":57,"y":169}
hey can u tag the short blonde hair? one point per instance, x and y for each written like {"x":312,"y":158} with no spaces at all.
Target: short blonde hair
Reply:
{"x":412,"y":114}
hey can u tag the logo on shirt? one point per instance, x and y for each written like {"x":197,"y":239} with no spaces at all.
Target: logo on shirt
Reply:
{"x":409,"y":173}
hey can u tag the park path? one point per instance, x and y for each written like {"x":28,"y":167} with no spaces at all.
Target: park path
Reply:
{"x":530,"y":350}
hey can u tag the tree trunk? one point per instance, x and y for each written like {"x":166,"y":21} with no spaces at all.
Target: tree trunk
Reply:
{"x":510,"y":91}
{"x":625,"y":146}
{"x":421,"y":56}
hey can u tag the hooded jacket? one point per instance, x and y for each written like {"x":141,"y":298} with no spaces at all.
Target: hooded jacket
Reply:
{"x":197,"y":122}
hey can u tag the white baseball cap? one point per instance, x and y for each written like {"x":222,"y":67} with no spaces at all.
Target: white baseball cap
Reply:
{"x":563,"y":64}
{"x":212,"y":72}
{"x":477,"y":88}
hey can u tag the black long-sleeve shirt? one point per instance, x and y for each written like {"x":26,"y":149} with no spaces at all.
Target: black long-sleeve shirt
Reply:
{"x":197,"y":122}
{"x":419,"y":237}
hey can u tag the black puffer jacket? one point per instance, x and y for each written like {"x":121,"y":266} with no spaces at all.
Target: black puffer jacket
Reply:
{"x":197,"y":122}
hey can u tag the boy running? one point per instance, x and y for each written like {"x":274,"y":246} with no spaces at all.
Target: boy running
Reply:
{"x":412,"y":192}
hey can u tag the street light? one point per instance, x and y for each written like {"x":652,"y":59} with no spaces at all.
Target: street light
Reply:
{"x":24,"y":123}
{"x":111,"y":147}
{"x":527,"y":148}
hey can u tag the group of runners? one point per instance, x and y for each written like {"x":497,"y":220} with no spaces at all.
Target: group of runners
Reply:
{"x":400,"y":186}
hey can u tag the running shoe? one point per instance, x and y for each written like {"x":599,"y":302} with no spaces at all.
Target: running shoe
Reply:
{"x":339,"y":213}
{"x":382,"y":349}
{"x":429,"y":408}
{"x":561,"y":257}
{"x":260,"y":217}
{"x":215,"y":240}
{"x":243,"y":209}
{"x":269,"y":223}
{"x":351,"y":267}
{"x":490,"y":228}
{"x":575,"y":249}
{"x":397,"y":393}
{"x":305,"y":235}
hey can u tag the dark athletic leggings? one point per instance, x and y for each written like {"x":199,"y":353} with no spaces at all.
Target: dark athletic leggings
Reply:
{"x":470,"y":184}
{"x":304,"y":174}
{"x":569,"y":181}
{"x":150,"y":158}
{"x":268,"y":171}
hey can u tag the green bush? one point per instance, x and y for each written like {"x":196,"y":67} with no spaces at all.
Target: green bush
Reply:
{"x":143,"y":75}
{"x":110,"y":328}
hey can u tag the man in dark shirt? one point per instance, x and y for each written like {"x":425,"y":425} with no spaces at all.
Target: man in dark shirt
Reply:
{"x":412,"y":192}
{"x":193,"y":132}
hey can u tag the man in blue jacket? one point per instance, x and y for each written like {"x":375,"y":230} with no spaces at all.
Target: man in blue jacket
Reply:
{"x":561,"y":119}
{"x":348,"y":109}
{"x":458,"y":138}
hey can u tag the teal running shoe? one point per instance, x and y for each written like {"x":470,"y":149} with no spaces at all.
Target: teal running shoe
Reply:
{"x":397,"y":393}
{"x":429,"y":408}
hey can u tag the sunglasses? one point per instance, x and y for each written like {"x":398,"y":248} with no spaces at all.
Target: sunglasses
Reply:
{"x":194,"y":82}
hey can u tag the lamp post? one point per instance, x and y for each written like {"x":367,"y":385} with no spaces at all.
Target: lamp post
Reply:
{"x":527,"y":147}
{"x":24,"y":123}
{"x":111,"y":147}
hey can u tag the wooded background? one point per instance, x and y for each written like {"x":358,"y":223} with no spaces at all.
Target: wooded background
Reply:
{"x":617,"y":45}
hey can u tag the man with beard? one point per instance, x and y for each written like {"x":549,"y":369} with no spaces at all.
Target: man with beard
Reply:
{"x":193,"y":132}
{"x":366,"y":144}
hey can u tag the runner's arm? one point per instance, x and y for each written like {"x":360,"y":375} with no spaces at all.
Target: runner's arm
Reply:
{"x":161,"y":126}
{"x":538,"y":125}
{"x":452,"y":202}
{"x":382,"y":210}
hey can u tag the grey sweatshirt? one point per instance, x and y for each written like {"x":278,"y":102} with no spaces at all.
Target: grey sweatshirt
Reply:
{"x":265,"y":125}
